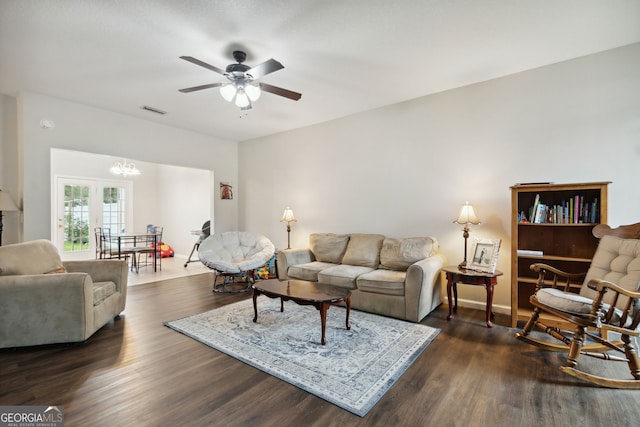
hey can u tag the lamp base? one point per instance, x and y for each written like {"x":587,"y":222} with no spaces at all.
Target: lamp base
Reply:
{"x":463,"y":265}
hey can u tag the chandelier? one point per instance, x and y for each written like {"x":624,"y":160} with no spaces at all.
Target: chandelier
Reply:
{"x":124,"y":169}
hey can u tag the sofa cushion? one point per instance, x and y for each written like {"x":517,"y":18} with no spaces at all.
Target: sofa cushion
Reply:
{"x":388,"y":282}
{"x":343,"y":275}
{"x":33,"y":257}
{"x":363,"y":250}
{"x":399,"y":254}
{"x":308,"y":271}
{"x":102,"y":291}
{"x":328,"y":247}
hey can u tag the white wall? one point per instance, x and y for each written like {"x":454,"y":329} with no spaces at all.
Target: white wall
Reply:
{"x":83,"y":128}
{"x":405,"y":169}
{"x":9,"y":166}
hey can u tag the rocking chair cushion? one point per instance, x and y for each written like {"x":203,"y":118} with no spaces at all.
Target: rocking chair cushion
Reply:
{"x":616,"y":260}
{"x":564,"y":301}
{"x":573,"y":303}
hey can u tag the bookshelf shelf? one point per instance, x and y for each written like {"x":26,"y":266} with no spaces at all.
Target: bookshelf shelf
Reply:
{"x":562,"y":234}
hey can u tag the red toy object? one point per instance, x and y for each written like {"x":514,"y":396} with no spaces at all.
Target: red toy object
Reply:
{"x":166,"y":251}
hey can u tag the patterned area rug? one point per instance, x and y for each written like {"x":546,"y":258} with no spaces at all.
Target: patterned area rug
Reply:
{"x":353,"y":370}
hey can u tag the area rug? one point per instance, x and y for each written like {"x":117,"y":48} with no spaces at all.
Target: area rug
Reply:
{"x":353,"y":370}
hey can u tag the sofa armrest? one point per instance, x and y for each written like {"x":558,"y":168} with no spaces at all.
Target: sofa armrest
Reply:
{"x":423,"y":286}
{"x":45,"y":308}
{"x":289,"y":257}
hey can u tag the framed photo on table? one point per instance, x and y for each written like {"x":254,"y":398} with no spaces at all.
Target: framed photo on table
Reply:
{"x":485,"y":255}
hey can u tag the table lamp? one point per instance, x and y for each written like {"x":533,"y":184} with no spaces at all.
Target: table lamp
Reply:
{"x":6,"y":204}
{"x":466,"y":216}
{"x":288,"y":217}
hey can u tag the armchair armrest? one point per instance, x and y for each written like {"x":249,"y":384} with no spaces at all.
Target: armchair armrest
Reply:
{"x":559,"y":279}
{"x":289,"y":257}
{"x":102,"y":270}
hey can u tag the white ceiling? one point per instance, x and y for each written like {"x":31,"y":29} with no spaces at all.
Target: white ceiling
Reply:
{"x":344,"y":56}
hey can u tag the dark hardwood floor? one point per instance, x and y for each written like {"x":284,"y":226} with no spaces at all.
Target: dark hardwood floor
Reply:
{"x":135,"y":371}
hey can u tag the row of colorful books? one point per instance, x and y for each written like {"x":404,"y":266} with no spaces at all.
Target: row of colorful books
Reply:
{"x":572,"y":211}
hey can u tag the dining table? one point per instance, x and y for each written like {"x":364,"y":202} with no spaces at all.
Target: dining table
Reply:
{"x":126,"y":241}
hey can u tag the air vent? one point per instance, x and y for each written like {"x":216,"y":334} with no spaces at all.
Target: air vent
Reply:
{"x":153,"y":110}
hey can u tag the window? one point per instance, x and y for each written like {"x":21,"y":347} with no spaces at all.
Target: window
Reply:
{"x":114,"y":209}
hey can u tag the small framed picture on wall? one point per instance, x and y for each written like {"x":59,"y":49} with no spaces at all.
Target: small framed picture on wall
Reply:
{"x":226,"y":191}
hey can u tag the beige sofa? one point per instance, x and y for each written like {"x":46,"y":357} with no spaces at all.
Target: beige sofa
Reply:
{"x":46,"y":301}
{"x":393,"y":277}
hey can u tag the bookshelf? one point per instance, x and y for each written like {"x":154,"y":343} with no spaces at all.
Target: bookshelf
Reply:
{"x":558,"y":234}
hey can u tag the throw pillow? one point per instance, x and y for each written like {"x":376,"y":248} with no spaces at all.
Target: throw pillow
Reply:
{"x":363,"y":250}
{"x":399,"y":254}
{"x":34,"y":257}
{"x":328,"y":247}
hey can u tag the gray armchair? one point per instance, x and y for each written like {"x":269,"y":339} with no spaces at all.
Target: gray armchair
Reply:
{"x":46,"y":301}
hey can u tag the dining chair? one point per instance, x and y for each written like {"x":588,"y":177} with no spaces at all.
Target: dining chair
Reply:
{"x":150,"y":248}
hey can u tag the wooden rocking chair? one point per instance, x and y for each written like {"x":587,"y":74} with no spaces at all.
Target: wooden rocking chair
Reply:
{"x":608,"y":302}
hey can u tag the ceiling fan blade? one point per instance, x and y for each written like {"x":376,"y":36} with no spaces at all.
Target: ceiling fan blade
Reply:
{"x":203,"y":64}
{"x":265,"y":68}
{"x":193,"y":89}
{"x":280,"y":91}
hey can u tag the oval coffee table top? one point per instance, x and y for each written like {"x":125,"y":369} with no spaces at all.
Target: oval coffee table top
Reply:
{"x":302,"y":290}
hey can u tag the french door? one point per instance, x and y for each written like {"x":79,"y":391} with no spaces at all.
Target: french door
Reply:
{"x":80,"y":205}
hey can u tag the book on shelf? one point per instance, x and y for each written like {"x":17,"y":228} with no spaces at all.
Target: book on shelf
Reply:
{"x":573,"y":210}
{"x":536,"y":202}
{"x":529,"y":252}
{"x":540,"y":216}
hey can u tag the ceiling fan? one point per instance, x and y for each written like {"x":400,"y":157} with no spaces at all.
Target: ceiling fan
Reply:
{"x":243,"y":87}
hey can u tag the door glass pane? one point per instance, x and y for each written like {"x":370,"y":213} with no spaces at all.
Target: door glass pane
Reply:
{"x":76,"y":218}
{"x":113,"y":209}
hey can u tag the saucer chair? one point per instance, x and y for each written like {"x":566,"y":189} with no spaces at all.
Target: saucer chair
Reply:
{"x":605,"y":314}
{"x":235,"y":255}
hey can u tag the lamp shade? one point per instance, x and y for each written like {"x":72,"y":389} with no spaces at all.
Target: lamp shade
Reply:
{"x":467,"y":215}
{"x":288,"y":215}
{"x":253,"y":91}
{"x":228,"y":91}
{"x":242,"y":100}
{"x":6,"y":202}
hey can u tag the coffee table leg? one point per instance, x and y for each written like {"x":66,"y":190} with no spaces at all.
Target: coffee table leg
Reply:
{"x":348,"y":302}
{"x":255,"y":305}
{"x":323,"y":319}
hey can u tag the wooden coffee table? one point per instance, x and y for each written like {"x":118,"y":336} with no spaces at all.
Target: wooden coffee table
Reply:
{"x":319,"y":295}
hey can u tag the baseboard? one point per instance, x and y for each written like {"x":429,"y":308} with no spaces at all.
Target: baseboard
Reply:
{"x":475,"y":305}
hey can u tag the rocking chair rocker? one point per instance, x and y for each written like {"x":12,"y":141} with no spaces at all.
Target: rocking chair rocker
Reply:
{"x":608,"y":302}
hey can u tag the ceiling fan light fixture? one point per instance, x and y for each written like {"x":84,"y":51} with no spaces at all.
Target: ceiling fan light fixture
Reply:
{"x":242,"y":100}
{"x":228,"y":91}
{"x":253,"y":91}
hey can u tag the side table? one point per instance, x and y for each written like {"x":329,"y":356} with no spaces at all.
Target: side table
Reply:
{"x":456,"y":275}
